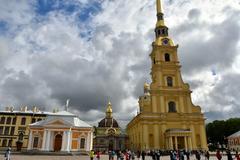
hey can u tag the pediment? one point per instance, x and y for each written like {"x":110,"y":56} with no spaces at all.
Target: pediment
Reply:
{"x":57,"y":123}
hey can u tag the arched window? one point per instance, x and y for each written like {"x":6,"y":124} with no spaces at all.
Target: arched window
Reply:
{"x":172,"y":107}
{"x":169,"y":81}
{"x":23,"y":121}
{"x":167,"y":57}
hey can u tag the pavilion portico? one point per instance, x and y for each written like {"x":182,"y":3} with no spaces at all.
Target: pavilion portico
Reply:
{"x":61,"y":132}
{"x":178,"y":139}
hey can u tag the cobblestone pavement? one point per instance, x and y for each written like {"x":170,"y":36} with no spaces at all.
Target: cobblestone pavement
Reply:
{"x":103,"y":157}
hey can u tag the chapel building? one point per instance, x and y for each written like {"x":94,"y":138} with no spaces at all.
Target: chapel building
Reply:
{"x":60,"y":132}
{"x":108,"y":134}
{"x":167,"y":119}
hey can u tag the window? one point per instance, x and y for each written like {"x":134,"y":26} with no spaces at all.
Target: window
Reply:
{"x":14,"y":120}
{"x":33,"y":120}
{"x":8,"y":120}
{"x":12,"y":131}
{"x":6,"y":131}
{"x":167,"y":57}
{"x":82,"y":143}
{"x":4,"y":143}
{"x":2,"y":121}
{"x":39,"y":119}
{"x":172,"y":107}
{"x":35,"y":142}
{"x":154,"y":61}
{"x":1,"y":130}
{"x":23,"y":122}
{"x":169,"y":81}
{"x":10,"y":143}
{"x":20,"y":137}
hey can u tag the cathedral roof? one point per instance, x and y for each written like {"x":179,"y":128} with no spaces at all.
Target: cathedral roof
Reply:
{"x":108,"y":122}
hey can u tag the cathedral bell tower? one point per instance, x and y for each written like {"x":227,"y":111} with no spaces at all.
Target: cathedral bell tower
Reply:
{"x":167,"y":119}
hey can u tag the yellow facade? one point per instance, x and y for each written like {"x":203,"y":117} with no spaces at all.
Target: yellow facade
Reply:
{"x":167,"y":119}
{"x":14,"y":126}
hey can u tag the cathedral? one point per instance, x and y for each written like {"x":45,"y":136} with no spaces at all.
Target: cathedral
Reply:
{"x":167,"y":119}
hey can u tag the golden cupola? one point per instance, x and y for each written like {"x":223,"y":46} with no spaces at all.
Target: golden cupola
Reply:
{"x":109,"y":110}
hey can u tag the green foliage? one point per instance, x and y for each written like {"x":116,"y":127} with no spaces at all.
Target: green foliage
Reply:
{"x":219,"y":130}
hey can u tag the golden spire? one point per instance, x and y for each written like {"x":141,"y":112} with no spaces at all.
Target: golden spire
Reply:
{"x":109,"y":110}
{"x":161,"y":29}
{"x":159,"y":6}
{"x":160,"y":20}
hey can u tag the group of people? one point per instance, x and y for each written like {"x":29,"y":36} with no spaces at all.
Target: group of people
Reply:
{"x":156,"y":154}
{"x":120,"y":155}
{"x":229,"y":155}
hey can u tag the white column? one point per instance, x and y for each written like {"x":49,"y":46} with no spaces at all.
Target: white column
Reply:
{"x":30,"y":141}
{"x":190,"y":143}
{"x":91,"y":140}
{"x":171,"y":142}
{"x":185,"y":143}
{"x":63,"y":148}
{"x":44,"y":140}
{"x":52,"y":138}
{"x":87,"y":141}
{"x":47,"y":143}
{"x":68,"y":142}
{"x":176,"y":143}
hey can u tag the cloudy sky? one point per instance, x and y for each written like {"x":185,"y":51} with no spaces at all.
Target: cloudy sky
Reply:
{"x":93,"y":51}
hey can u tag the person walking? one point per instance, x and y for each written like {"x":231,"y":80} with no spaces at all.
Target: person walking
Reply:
{"x":98,"y":155}
{"x":229,"y":155}
{"x":7,"y":154}
{"x":187,"y":155}
{"x":138,"y":155}
{"x":143,"y":155}
{"x":91,"y":155}
{"x":237,"y":157}
{"x":197,"y":154}
{"x":207,"y":155}
{"x":218,"y":155}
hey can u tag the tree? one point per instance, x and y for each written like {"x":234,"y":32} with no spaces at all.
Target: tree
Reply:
{"x":219,"y":130}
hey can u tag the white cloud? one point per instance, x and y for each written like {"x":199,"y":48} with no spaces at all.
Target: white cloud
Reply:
{"x":49,"y":60}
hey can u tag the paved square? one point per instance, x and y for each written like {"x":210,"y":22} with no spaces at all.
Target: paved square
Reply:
{"x":103,"y":157}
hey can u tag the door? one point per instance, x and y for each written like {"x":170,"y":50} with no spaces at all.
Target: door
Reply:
{"x":58,"y":142}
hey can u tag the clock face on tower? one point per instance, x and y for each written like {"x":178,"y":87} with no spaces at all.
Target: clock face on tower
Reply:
{"x":165,"y":41}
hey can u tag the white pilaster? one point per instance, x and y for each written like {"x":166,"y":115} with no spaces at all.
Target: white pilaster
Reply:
{"x":44,"y":140}
{"x":30,"y":141}
{"x":63,"y":148}
{"x":68,"y":141}
{"x":47,"y":143}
